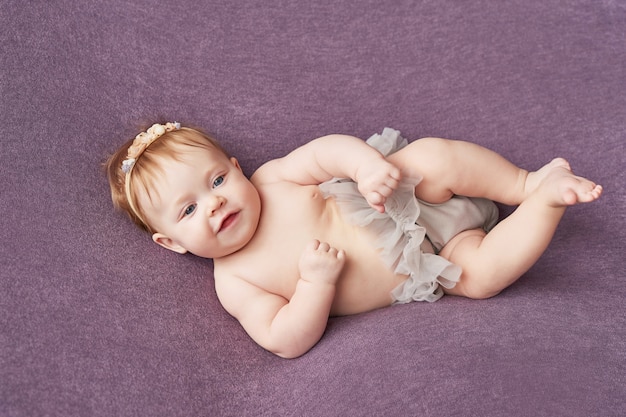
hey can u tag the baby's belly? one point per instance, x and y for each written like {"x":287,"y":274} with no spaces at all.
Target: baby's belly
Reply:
{"x":366,"y":281}
{"x":271,"y":263}
{"x":363,"y":293}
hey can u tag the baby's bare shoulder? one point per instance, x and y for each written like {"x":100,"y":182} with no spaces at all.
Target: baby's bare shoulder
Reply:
{"x":267,"y":173}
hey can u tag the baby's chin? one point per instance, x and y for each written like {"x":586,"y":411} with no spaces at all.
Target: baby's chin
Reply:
{"x":227,"y":251}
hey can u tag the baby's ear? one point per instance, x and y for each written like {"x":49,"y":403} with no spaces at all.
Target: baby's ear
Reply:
{"x":235,"y":162}
{"x":162,"y":240}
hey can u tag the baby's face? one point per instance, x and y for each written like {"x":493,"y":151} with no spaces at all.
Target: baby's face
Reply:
{"x":203,"y":204}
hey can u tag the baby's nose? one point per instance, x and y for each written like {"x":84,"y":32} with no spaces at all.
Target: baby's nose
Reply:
{"x":215,"y":203}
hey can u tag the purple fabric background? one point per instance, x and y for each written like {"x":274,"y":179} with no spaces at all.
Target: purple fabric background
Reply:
{"x":95,"y":320}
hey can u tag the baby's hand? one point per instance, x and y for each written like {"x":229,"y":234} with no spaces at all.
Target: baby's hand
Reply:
{"x":321,"y":263}
{"x":376,"y":181}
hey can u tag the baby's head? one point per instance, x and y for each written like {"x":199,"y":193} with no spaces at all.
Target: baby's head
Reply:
{"x":179,"y":184}
{"x":137,"y":165}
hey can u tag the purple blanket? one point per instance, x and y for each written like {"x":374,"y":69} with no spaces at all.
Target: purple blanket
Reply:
{"x":96,"y":320}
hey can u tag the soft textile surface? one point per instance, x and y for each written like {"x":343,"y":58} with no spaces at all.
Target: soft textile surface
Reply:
{"x":95,"y":320}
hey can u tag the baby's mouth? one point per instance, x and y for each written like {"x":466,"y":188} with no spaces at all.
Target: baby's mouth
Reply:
{"x":228,"y":221}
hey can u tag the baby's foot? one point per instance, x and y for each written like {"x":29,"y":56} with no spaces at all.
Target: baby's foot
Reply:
{"x":535,"y":178}
{"x":560,"y":187}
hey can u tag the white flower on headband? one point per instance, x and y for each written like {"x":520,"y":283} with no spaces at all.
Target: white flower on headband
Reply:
{"x":128,"y":164}
{"x":143,"y":140}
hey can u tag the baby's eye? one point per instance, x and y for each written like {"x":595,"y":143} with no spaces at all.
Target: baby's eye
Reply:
{"x":190,"y":209}
{"x":218,"y":181}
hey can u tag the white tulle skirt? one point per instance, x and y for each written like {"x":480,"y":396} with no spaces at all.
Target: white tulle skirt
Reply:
{"x":411,"y":232}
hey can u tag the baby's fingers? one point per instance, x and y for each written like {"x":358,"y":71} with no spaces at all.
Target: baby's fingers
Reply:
{"x":320,"y":262}
{"x":313,"y":245}
{"x":337,"y":253}
{"x":376,"y":201}
{"x":395,"y":173}
{"x":387,"y":189}
{"x":321,"y":248}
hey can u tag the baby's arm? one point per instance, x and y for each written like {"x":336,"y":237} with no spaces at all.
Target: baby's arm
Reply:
{"x":337,"y":156}
{"x":289,"y":328}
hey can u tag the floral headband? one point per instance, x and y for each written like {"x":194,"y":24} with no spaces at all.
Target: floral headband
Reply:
{"x":139,"y":145}
{"x":143,"y":140}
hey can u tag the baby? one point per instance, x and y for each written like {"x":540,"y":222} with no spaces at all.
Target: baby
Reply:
{"x":340,"y":226}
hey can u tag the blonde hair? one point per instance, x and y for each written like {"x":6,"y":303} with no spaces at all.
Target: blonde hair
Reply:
{"x":137,"y":164}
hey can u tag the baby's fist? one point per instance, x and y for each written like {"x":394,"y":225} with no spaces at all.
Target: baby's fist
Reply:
{"x":376,"y":181}
{"x":320,"y":262}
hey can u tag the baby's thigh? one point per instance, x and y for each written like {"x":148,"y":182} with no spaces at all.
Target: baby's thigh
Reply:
{"x":461,"y":248}
{"x":428,"y":159}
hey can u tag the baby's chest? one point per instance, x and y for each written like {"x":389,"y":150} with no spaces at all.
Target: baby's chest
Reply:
{"x":291,"y":218}
{"x":291,"y":215}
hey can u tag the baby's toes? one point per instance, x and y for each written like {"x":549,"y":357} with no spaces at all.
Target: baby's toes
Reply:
{"x":587,"y":191}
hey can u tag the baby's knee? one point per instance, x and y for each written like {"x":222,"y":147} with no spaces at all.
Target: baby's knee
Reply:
{"x":428,"y":159}
{"x":481,"y":292}
{"x":477,"y":285}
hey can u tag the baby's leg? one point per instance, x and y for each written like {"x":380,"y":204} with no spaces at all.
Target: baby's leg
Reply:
{"x":494,"y":261}
{"x":451,"y":167}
